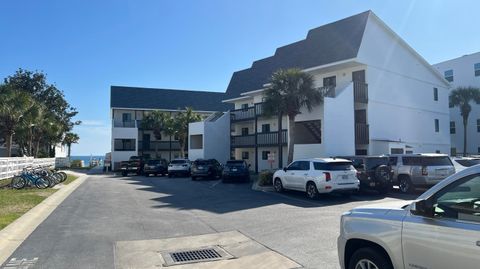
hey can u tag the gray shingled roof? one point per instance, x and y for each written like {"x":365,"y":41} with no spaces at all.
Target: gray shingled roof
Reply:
{"x":148,"y":98}
{"x":326,"y":44}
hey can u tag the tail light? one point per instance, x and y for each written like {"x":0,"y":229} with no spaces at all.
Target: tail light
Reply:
{"x":328,"y":177}
{"x":358,"y":175}
{"x":424,"y":171}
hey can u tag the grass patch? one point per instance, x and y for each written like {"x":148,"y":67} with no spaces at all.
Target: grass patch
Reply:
{"x":5,"y":182}
{"x":14,"y":203}
{"x":70,"y":179}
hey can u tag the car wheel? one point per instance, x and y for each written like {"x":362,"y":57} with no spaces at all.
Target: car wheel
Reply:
{"x":278,"y":186}
{"x":369,"y":258}
{"x":194,"y":178}
{"x":405,"y":184}
{"x":312,"y":191}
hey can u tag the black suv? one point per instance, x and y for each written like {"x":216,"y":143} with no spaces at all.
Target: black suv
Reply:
{"x":155,"y":167}
{"x":236,"y":169}
{"x":374,"y":172}
{"x":210,"y":168}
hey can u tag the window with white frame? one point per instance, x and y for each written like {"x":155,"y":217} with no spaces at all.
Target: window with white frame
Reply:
{"x":435,"y":94}
{"x":449,"y":75}
{"x":476,"y":68}
{"x":437,"y":126}
{"x":452,"y":127}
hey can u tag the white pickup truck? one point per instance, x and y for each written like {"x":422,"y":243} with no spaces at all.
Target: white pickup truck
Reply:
{"x":439,"y":230}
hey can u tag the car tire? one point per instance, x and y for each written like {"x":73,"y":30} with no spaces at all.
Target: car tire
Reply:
{"x":312,"y":191}
{"x":194,"y":178}
{"x":277,"y":185}
{"x":369,"y":256}
{"x":405,"y":184}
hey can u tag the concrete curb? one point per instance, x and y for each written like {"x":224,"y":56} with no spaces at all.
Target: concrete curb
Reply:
{"x":257,"y":187}
{"x":16,"y":232}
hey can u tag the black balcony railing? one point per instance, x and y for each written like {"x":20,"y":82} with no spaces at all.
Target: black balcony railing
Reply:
{"x":360,"y":92}
{"x":157,"y":145}
{"x":263,"y":139}
{"x":242,"y":114}
{"x":361,"y":133}
{"x":124,"y":123}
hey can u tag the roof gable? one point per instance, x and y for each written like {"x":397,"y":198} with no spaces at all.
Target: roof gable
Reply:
{"x":326,"y":44}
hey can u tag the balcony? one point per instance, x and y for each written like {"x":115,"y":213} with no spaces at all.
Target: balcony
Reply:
{"x":124,"y":123}
{"x":263,"y":140}
{"x":242,"y":114}
{"x":162,"y":145}
{"x":360,"y":92}
{"x":361,"y":134}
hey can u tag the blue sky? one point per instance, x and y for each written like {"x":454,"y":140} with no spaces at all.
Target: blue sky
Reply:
{"x":85,"y":46}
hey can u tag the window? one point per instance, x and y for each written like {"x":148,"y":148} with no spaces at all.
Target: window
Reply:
{"x":304,"y":165}
{"x":437,"y":151}
{"x":459,"y":200}
{"x":245,"y":155}
{"x":412,"y":160}
{"x":126,"y":117}
{"x":437,"y":126}
{"x":336,"y":166}
{"x":449,"y":75}
{"x":435,"y":94}
{"x":476,"y":67}
{"x":478,"y":125}
{"x":265,"y":155}
{"x":124,"y":144}
{"x":396,"y":151}
{"x":265,"y":128}
{"x":245,"y":131}
{"x":453,"y":151}
{"x":330,"y":81}
{"x":392,"y":161}
{"x":245,"y":106}
{"x":452,"y":127}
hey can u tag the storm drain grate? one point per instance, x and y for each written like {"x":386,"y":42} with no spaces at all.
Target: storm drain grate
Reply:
{"x":205,"y":254}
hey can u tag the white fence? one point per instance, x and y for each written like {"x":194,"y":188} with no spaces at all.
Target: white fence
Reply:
{"x":10,"y":167}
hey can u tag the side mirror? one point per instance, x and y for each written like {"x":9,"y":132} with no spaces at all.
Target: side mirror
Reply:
{"x":285,"y":169}
{"x":422,"y":208}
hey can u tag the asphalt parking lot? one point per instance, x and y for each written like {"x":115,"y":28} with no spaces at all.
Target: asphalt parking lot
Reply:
{"x":106,"y":209}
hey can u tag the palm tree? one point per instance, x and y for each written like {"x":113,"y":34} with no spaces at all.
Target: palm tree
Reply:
{"x":159,"y":122}
{"x":69,"y":139}
{"x":289,"y":91}
{"x":14,"y":104}
{"x":180,"y":124}
{"x":461,"y":98}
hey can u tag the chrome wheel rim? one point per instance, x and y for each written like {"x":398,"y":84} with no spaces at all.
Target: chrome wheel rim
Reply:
{"x":311,"y":191}
{"x":404,"y":185}
{"x":365,"y":264}
{"x":278,"y":185}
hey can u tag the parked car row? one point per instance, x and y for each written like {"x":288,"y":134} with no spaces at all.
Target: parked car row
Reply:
{"x":198,"y":169}
{"x":347,"y":174}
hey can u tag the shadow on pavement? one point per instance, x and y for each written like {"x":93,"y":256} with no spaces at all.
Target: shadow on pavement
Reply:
{"x":217,"y":197}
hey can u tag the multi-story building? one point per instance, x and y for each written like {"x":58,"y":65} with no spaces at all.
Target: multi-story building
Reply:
{"x":129,"y":105}
{"x":380,"y":97}
{"x":463,"y":72}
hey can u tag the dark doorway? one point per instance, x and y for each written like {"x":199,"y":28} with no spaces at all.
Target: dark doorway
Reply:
{"x":146,"y":142}
{"x":358,"y":76}
{"x":361,"y":116}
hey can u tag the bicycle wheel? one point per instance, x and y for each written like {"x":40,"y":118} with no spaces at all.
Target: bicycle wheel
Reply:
{"x":18,"y":182}
{"x":64,"y":176}
{"x":56,"y":178}
{"x":42,"y":183}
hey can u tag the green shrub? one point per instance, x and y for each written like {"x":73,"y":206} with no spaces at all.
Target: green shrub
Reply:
{"x":76,"y":164}
{"x":265,"y":178}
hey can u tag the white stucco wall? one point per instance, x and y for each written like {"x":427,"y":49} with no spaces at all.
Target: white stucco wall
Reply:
{"x":401,"y":106}
{"x":464,"y":76}
{"x":339,"y":127}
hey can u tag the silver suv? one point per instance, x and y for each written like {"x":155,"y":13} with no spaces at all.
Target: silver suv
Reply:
{"x":440,"y":230}
{"x":420,"y":170}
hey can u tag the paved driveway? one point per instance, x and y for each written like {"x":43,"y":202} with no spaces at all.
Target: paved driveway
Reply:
{"x":81,"y":232}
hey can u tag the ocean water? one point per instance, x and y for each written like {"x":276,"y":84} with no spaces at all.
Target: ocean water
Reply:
{"x":86,"y":159}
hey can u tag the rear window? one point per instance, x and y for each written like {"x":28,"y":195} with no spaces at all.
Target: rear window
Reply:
{"x":178,"y":161}
{"x":468,"y":163}
{"x":373,"y":163}
{"x":202,"y":162}
{"x":153,"y":162}
{"x":235,"y":164}
{"x":412,"y":160}
{"x":335,"y":166}
{"x":436,"y":161}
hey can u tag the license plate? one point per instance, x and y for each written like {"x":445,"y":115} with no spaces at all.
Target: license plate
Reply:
{"x":200,"y":168}
{"x":234,"y":169}
{"x":344,"y":177}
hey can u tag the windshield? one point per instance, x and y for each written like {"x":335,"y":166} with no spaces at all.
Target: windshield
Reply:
{"x":203,"y":162}
{"x":468,"y":163}
{"x":178,"y":161}
{"x":153,"y":162}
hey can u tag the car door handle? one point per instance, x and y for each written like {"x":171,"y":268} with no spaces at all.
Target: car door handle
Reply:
{"x":306,"y":174}
{"x":292,"y":174}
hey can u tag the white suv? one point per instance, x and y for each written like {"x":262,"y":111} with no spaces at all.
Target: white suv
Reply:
{"x":319,"y":175}
{"x":440,"y":230}
{"x":179,"y":167}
